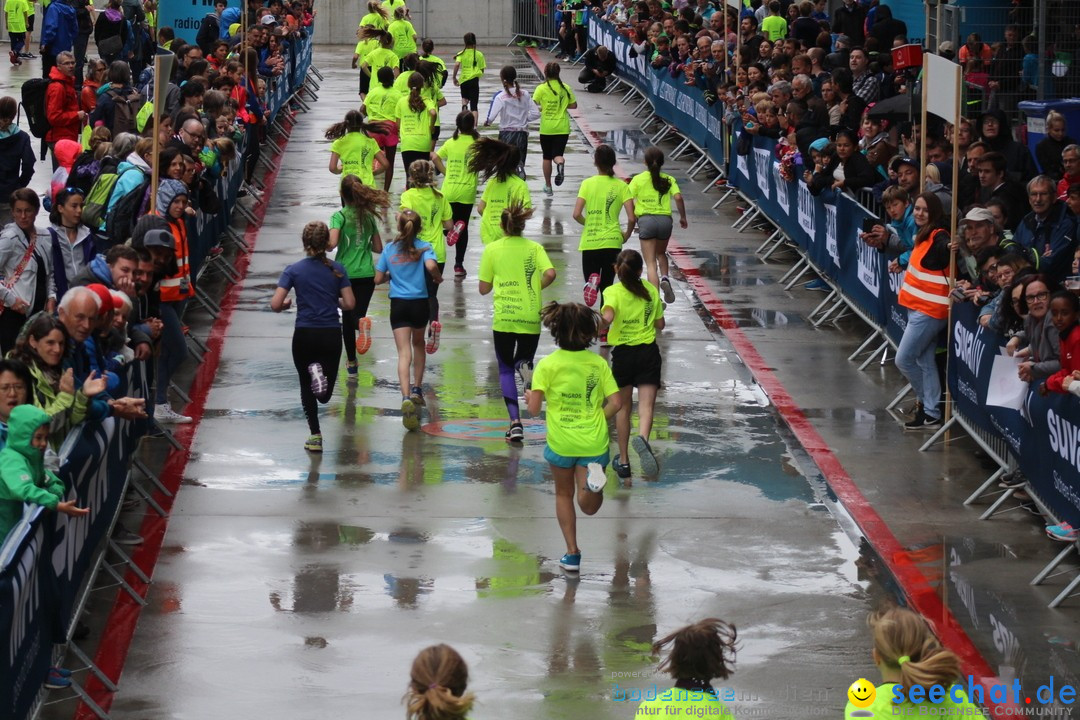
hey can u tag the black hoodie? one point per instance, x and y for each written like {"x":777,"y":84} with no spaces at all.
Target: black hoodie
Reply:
{"x":16,"y":163}
{"x":1018,"y":161}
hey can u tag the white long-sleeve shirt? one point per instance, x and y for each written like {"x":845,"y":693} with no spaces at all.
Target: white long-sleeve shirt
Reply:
{"x":512,"y":113}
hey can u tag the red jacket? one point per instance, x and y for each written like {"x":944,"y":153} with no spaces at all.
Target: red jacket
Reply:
{"x":62,"y":108}
{"x":1070,"y":360}
{"x":1064,"y":183}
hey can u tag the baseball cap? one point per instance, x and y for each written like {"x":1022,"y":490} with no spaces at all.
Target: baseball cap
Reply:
{"x":979,"y":215}
{"x":159,"y":238}
{"x":268,"y":20}
{"x":896,"y":163}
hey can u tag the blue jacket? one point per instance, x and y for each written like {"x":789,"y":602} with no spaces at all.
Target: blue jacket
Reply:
{"x":905,"y":231}
{"x":1052,"y":240}
{"x":60,"y":28}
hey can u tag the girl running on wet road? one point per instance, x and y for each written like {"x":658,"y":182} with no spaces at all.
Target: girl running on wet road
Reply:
{"x":517,"y":270}
{"x":459,"y":184}
{"x":403,"y":264}
{"x":496,"y":164}
{"x":435,"y":217}
{"x":696,"y":655}
{"x":653,"y":192}
{"x":581,"y":396}
{"x":632,"y":311}
{"x":355,"y":150}
{"x":599,"y":201}
{"x":322,"y":287}
{"x":554,"y":99}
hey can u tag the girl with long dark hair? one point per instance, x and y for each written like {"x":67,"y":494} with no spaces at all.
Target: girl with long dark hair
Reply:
{"x":496,"y":163}
{"x":416,"y":117}
{"x":653,"y":192}
{"x":459,"y":184}
{"x":554,"y":98}
{"x":354,"y":150}
{"x":513,"y":109}
{"x":599,"y":202}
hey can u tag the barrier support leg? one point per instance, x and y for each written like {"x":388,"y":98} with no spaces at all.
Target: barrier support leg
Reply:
{"x":746,"y":219}
{"x":140,"y":601}
{"x":776,"y":246}
{"x":141,"y":467}
{"x":800,"y":268}
{"x":238,"y":240}
{"x":315,"y":70}
{"x":126,"y":560}
{"x":1005,"y":495}
{"x":899,"y":397}
{"x":882,"y":349}
{"x":180,"y":393}
{"x":723,"y":199}
{"x":203,"y":349}
{"x":85,"y":660}
{"x":865,"y":344}
{"x":720,"y":176}
{"x":768,"y":241}
{"x":167,"y":434}
{"x":147,"y":498}
{"x":247,"y":213}
{"x":94,"y":707}
{"x":840,"y":303}
{"x":204,"y":300}
{"x":940,"y":432}
{"x":1045,"y":572}
{"x":1066,"y":593}
{"x":821,"y":305}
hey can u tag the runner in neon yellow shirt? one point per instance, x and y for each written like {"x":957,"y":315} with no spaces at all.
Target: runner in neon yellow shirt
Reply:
{"x":633,"y":313}
{"x":468,"y":67}
{"x":581,"y":396}
{"x":380,"y":57}
{"x":517,"y":270}
{"x":653,"y":192}
{"x":459,"y":183}
{"x":599,"y":201}
{"x":354,"y":232}
{"x":699,"y":654}
{"x":354,"y":151}
{"x":427,"y":50}
{"x":415,"y":117}
{"x":435,"y":217}
{"x":18,"y":12}
{"x":403,"y":32}
{"x":554,"y":99}
{"x":377,"y":16}
{"x":380,"y":104}
{"x":363,"y":49}
{"x":391,"y":6}
{"x":496,"y":163}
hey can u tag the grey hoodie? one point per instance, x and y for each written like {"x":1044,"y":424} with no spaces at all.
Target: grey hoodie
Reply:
{"x":13,"y":244}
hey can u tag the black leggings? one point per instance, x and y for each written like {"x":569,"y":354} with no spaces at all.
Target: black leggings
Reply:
{"x":433,"y":292}
{"x":600,"y":261}
{"x":408,"y":157}
{"x":251,"y":152}
{"x":311,"y":345}
{"x":461,"y":213}
{"x":363,"y":289}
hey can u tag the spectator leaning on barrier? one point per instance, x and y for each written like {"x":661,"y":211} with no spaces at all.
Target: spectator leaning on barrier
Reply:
{"x":1038,"y":344}
{"x":1049,"y":231}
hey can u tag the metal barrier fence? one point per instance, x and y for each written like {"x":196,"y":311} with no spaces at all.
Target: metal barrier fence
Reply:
{"x":536,"y":20}
{"x":49,"y":563}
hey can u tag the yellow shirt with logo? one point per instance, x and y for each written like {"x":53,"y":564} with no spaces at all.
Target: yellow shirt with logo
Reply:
{"x":414,"y":127}
{"x":515,"y":266}
{"x":575,"y":384}
{"x":604,"y":196}
{"x":647,"y":200}
{"x":381,"y":102}
{"x":472,"y":64}
{"x":459,"y":185}
{"x":553,"y":100}
{"x":357,"y":152}
{"x":635,"y":318}
{"x":433,"y":210}
{"x":498,"y":195}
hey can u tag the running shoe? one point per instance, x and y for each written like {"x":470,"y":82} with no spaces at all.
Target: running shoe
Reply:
{"x":560,"y":173}
{"x":314,"y":443}
{"x":410,"y":418}
{"x":516,"y":433}
{"x":363,"y":335}
{"x":592,"y":289}
{"x":165,"y":414}
{"x":597,"y":478}
{"x":922,"y":421}
{"x":57,"y":681}
{"x":522,"y":43}
{"x":525,"y":372}
{"x":13,"y":57}
{"x":570,"y":562}
{"x":27,"y":55}
{"x":319,"y":383}
{"x":352,"y":368}
{"x":459,"y":271}
{"x":417,"y":395}
{"x":548,"y":191}
{"x":454,"y":233}
{"x":818,"y":284}
{"x":649,"y":466}
{"x":434,"y":330}
{"x":669,"y":292}
{"x":1013,"y":480}
{"x":122,"y":536}
{"x":1063,"y":532}
{"x":533,"y":43}
{"x":621,"y":469}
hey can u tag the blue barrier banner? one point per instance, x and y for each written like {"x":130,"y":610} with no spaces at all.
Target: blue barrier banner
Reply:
{"x":186,"y":17}
{"x":25,"y":622}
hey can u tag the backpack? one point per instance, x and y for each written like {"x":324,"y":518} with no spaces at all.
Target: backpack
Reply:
{"x":125,"y":111}
{"x":33,"y":102}
{"x":120,"y":221}
{"x":98,"y":200}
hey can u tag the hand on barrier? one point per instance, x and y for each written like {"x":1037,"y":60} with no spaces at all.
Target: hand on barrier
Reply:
{"x":67,"y":507}
{"x":128,"y":408}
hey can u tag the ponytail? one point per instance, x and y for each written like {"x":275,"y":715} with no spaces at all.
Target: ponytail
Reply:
{"x":316,"y":239}
{"x":408,"y":229}
{"x":362,"y":200}
{"x":508,"y":75}
{"x":628,"y":266}
{"x":354,"y":122}
{"x":906,"y":642}
{"x":375,"y":7}
{"x":385,"y":76}
{"x":466,"y":125}
{"x":437,"y":682}
{"x":513,"y":219}
{"x":416,"y":85}
{"x":422,"y":175}
{"x":489,"y":157}
{"x":369,"y":32}
{"x":604,"y":159}
{"x":654,"y":160}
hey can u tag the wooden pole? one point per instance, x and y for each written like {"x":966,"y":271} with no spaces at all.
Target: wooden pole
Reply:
{"x":953,"y":226}
{"x":155,"y":165}
{"x":924,"y":95}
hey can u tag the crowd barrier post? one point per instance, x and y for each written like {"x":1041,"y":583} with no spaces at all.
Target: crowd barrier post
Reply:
{"x":534,"y":20}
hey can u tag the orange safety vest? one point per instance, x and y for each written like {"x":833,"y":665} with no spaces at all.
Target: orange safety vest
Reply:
{"x":925,"y":290}
{"x":180,"y":286}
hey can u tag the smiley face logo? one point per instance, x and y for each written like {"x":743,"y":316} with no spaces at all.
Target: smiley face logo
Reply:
{"x":862,"y":693}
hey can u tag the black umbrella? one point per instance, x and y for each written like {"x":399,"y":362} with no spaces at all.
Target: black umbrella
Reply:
{"x":898,"y":108}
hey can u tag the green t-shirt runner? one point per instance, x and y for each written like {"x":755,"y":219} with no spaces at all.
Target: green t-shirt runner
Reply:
{"x":17,"y":10}
{"x":472,"y":64}
{"x":604,"y":197}
{"x":354,"y":245}
{"x":374,"y":20}
{"x":357,"y":152}
{"x":634,"y":317}
{"x":414,"y":127}
{"x":647,"y":201}
{"x":515,"y":267}
{"x":553,"y":100}
{"x":498,"y":195}
{"x":381,"y":102}
{"x":378,"y":59}
{"x":433,"y":209}
{"x":404,"y":35}
{"x":459,"y":185}
{"x":575,"y":384}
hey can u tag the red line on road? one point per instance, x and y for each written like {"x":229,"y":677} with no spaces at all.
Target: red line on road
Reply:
{"x":124,"y":615}
{"x":921,"y":594}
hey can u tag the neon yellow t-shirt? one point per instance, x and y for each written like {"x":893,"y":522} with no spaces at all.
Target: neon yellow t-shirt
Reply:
{"x":459,"y":185}
{"x":499,"y":195}
{"x":604,"y":197}
{"x":381,"y":102}
{"x":404,"y":35}
{"x":357,"y":152}
{"x":401,"y":82}
{"x":677,"y":703}
{"x":17,"y":10}
{"x":374,"y":20}
{"x":575,"y":384}
{"x":379,"y":58}
{"x":391,"y":5}
{"x":472,"y":64}
{"x":647,"y":201}
{"x":433,"y":210}
{"x":414,"y":127}
{"x":363,"y":49}
{"x":634,"y":317}
{"x":438,"y":61}
{"x":774,"y":27}
{"x":515,"y":267}
{"x":884,"y":707}
{"x":553,"y":100}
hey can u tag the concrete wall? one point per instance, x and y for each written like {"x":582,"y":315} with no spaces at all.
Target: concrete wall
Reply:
{"x":445,"y":21}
